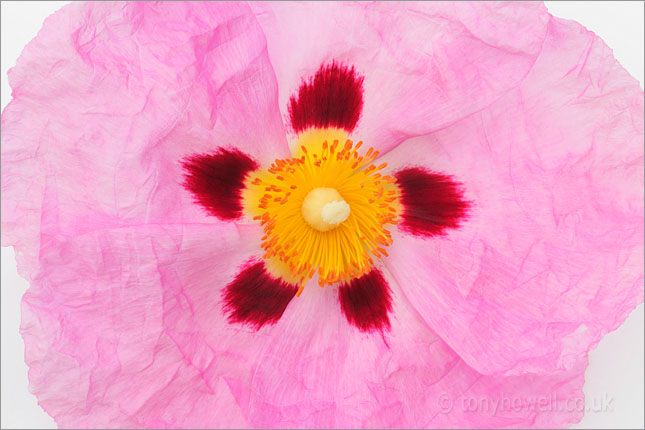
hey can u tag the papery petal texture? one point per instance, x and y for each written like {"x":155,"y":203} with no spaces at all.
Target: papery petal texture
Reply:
{"x":551,"y":256}
{"x":110,"y":96}
{"x":325,"y":373}
{"x":105,"y":333}
{"x":426,"y":65}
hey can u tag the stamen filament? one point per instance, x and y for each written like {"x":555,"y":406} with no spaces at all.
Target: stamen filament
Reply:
{"x":275,"y":197}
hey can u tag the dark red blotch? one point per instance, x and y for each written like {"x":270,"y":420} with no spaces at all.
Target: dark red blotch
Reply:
{"x":432,"y":202}
{"x":217,"y":180}
{"x":366,"y":302}
{"x":332,"y":98}
{"x":255,"y":297}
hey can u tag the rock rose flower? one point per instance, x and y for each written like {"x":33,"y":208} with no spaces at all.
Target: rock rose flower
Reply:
{"x":180,"y":179}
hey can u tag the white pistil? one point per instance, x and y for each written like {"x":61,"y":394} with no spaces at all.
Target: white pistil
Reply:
{"x":324,"y":209}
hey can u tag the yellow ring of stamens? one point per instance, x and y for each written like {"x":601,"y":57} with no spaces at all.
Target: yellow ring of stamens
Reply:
{"x":344,"y":251}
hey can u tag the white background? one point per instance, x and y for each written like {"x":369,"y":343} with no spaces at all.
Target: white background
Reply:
{"x":615,"y":374}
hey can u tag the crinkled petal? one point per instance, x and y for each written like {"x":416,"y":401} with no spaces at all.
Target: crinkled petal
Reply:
{"x":317,"y":371}
{"x":110,"y":96}
{"x":102,"y":324}
{"x":550,"y":257}
{"x":426,"y":64}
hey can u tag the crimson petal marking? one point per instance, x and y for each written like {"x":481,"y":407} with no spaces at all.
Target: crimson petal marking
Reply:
{"x":332,"y":98}
{"x":366,"y":301}
{"x":432,"y":202}
{"x":217,"y":180}
{"x":256,"y":298}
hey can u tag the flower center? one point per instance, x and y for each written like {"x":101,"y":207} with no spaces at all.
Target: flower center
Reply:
{"x":324,"y":208}
{"x":323,"y":211}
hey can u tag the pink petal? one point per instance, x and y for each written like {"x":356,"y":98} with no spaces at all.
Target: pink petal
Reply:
{"x":109,"y":97}
{"x":551,"y":256}
{"x":316,"y":371}
{"x":426,"y":64}
{"x":102,"y":324}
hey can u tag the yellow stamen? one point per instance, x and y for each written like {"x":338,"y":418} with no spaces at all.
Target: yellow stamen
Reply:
{"x":323,"y":211}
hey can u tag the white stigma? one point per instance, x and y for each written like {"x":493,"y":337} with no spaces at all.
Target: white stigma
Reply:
{"x":324,"y":208}
{"x":335,"y":212}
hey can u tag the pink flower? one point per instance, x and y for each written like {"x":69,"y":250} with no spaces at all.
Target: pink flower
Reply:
{"x":175,"y":174}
